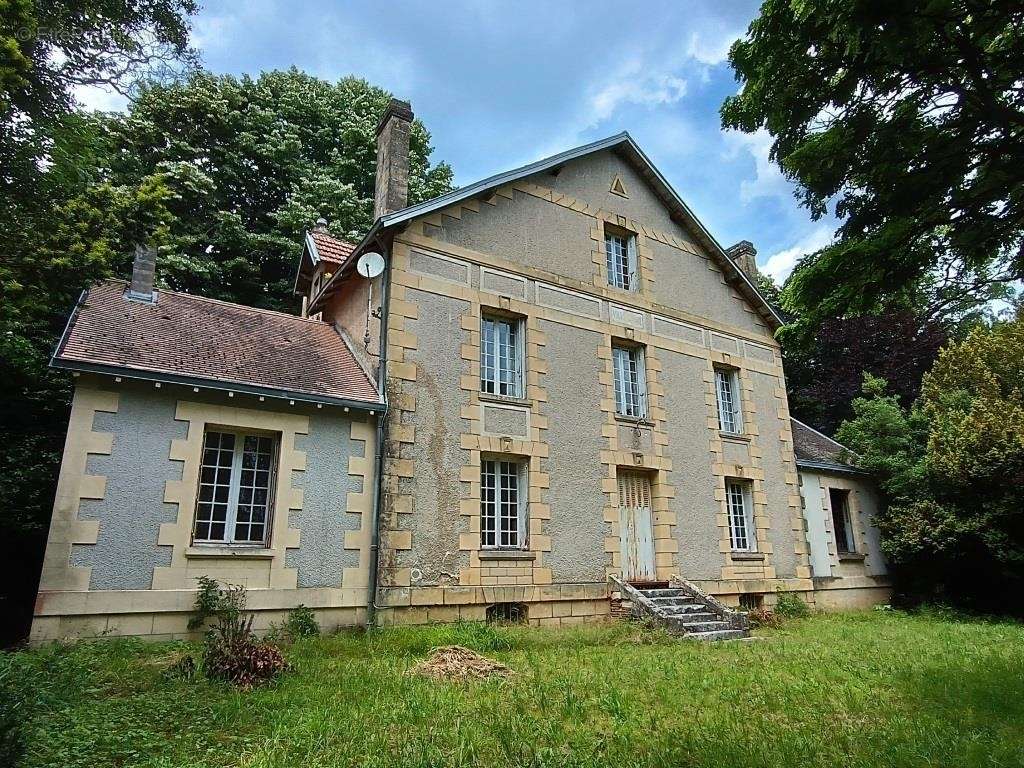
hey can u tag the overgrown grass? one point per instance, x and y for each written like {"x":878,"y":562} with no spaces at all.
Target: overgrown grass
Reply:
{"x":872,"y":689}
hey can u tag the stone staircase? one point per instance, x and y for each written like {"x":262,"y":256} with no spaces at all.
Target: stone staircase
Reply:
{"x":684,"y":609}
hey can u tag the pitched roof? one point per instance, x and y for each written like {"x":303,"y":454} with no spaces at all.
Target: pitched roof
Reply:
{"x":193,"y":339}
{"x":622,"y":143}
{"x":329,"y":248}
{"x":817,"y":450}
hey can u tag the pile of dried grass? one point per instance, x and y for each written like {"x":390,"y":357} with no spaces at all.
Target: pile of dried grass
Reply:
{"x":454,"y":662}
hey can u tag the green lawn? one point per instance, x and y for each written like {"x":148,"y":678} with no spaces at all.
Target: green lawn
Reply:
{"x":868,"y":689}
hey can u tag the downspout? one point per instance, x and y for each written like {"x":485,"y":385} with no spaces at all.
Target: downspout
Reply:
{"x":382,"y":388}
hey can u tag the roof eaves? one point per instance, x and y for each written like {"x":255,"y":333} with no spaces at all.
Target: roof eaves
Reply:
{"x":478,"y":188}
{"x":429,"y":206}
{"x":227,"y":385}
{"x":309,"y":246}
{"x":831,"y":466}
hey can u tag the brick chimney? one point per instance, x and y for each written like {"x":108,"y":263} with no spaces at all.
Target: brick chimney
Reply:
{"x":143,"y":274}
{"x":392,"y":189}
{"x":745,"y":255}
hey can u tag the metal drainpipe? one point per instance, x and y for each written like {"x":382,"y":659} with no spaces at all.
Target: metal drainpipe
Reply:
{"x":371,"y":602}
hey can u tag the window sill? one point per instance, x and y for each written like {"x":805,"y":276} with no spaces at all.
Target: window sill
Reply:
{"x":507,"y":554}
{"x":851,"y":557}
{"x":487,"y":397}
{"x":747,"y":555}
{"x":199,"y":551}
{"x":634,"y":421}
{"x":738,"y":437}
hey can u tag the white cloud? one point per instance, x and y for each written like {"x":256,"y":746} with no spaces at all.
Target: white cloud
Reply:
{"x":768,"y":180}
{"x":711,"y":49}
{"x":634,"y":88}
{"x":780,"y":264}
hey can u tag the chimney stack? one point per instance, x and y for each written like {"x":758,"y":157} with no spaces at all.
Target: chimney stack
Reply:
{"x":392,"y":189}
{"x":745,"y":255}
{"x":143,"y":274}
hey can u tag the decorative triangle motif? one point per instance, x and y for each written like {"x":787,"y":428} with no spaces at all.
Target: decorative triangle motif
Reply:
{"x":618,"y":188}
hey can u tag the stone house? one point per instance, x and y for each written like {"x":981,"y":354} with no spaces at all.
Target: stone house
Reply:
{"x":559,"y":377}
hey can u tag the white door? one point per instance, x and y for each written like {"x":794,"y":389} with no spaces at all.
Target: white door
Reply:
{"x":636,"y":535}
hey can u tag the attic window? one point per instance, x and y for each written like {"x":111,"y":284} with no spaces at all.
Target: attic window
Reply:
{"x":620,"y":253}
{"x":618,"y":188}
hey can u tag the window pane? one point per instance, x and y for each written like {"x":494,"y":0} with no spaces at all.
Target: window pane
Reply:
{"x":630,"y":397}
{"x":488,"y":512}
{"x":214,"y":486}
{"x":728,"y":411}
{"x":736,"y":501}
{"x":616,"y":249}
{"x":500,"y":364}
{"x":253,"y":490}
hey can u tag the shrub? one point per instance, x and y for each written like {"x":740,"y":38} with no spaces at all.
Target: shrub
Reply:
{"x":232,"y":652}
{"x":302,"y":622}
{"x":242,"y":660}
{"x":790,"y":606}
{"x":762,"y":617}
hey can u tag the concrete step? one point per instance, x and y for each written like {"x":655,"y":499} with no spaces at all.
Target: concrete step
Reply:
{"x":653,"y":593}
{"x":718,"y":634}
{"x":692,"y":616}
{"x":699,"y":627}
{"x":675,"y":601}
{"x":680,"y":607}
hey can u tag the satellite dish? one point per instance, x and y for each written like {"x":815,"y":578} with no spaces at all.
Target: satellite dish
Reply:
{"x":370,"y":264}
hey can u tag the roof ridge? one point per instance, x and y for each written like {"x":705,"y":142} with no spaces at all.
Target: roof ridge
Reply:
{"x":228,"y":303}
{"x":331,"y":235}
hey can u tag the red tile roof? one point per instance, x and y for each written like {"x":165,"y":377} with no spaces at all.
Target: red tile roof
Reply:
{"x":329,"y":248}
{"x":203,"y":339}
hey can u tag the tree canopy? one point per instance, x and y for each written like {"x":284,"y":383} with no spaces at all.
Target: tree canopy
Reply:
{"x":253,"y":163}
{"x":951,"y":469}
{"x":908,"y":118}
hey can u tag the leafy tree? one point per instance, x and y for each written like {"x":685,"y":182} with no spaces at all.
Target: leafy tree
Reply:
{"x":908,"y":116}
{"x":952,"y":471}
{"x":825,"y":369}
{"x":257,"y":161}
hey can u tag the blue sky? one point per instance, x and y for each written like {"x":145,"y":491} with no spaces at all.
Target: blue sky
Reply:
{"x":499,"y":84}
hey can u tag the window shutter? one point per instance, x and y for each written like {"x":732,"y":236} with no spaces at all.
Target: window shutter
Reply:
{"x":641,"y":377}
{"x":520,"y":382}
{"x":632,"y":261}
{"x":737,"y":410}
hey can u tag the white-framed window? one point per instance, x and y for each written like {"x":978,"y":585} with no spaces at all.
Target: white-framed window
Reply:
{"x":620,"y":252}
{"x":742,"y":535}
{"x":503,"y":485}
{"x":235,"y":488}
{"x":842,"y":524}
{"x":630,"y":381}
{"x":730,"y":415}
{"x":501,"y":356}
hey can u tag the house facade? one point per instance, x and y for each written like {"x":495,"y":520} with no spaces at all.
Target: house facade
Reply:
{"x":559,"y":376}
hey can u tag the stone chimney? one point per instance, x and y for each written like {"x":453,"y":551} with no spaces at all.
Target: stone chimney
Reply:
{"x":392,"y":189}
{"x":143,"y":274}
{"x":745,"y":255}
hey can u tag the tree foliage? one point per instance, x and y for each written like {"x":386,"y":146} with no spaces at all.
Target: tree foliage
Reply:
{"x":952,"y":470}
{"x":908,"y":116}
{"x":825,"y":370}
{"x":254,"y":162}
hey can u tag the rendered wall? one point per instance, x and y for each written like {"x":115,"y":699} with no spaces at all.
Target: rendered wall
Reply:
{"x":119,"y":558}
{"x":519,"y":251}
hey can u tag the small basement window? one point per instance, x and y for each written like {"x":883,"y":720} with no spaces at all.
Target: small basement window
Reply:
{"x":506,"y":613}
{"x":751,"y":602}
